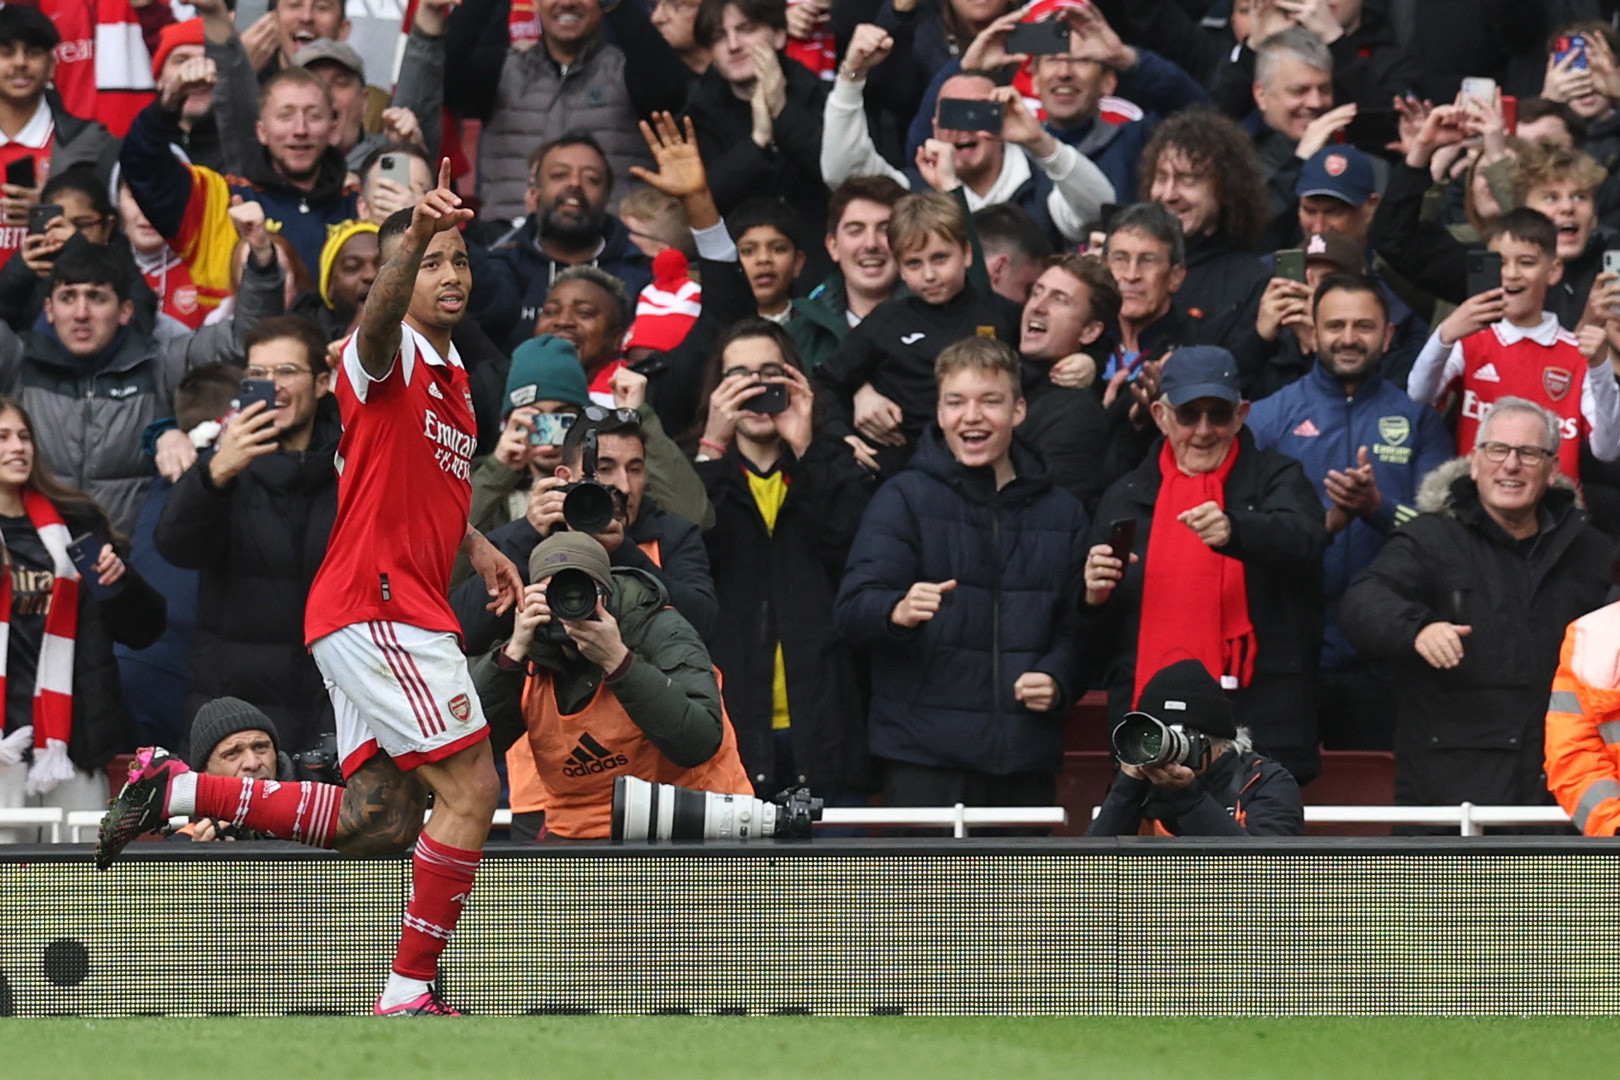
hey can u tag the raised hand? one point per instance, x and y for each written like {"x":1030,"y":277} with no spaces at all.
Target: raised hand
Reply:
{"x":680,"y":174}
{"x":439,"y":211}
{"x":869,"y":46}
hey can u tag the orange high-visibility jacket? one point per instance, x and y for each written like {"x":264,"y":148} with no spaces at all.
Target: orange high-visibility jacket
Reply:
{"x":1583,"y":723}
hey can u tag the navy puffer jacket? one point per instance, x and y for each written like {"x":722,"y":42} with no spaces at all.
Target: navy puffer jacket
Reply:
{"x":942,"y":692}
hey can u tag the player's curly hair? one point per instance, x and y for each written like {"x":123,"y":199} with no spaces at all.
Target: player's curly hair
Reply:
{"x":1217,"y":145}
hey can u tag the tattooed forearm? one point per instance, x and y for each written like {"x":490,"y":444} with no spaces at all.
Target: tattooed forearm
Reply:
{"x":381,"y":812}
{"x":386,"y":304}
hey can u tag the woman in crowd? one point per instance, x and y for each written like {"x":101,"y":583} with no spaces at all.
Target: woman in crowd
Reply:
{"x":64,"y":712}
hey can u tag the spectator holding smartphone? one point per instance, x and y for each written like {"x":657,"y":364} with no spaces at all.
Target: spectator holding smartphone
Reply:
{"x":786,"y":509}
{"x":64,"y":715}
{"x":252,"y":517}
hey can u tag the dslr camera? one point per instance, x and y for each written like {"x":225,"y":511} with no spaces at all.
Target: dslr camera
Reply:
{"x":590,"y":506}
{"x":1141,"y":740}
{"x":648,"y":813}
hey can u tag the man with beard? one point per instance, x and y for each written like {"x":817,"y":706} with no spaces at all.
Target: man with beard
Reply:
{"x":568,"y":224}
{"x":1367,"y":447}
{"x":298,"y":177}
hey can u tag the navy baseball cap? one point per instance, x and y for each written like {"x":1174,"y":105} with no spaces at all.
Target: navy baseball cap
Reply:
{"x":1199,"y":371}
{"x":1343,"y":172}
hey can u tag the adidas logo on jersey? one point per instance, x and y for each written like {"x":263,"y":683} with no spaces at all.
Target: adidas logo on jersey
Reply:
{"x":1487,"y":374}
{"x":433,"y":389}
{"x":1307,"y":430}
{"x":591,"y":757}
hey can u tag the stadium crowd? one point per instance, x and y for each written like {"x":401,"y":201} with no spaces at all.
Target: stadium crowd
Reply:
{"x":943,"y":360}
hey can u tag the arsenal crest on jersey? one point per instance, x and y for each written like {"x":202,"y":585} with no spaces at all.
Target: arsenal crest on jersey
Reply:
{"x":1556,"y":381}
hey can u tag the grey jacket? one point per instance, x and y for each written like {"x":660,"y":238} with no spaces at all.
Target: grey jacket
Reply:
{"x":88,"y":424}
{"x":537,"y":101}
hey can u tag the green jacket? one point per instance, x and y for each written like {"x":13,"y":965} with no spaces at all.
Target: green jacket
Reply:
{"x":672,"y":483}
{"x":820,"y":324}
{"x":670,"y":690}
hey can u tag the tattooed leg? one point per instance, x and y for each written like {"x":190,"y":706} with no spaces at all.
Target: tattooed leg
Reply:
{"x":381,"y":812}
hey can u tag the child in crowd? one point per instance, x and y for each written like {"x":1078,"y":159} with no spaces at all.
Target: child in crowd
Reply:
{"x":892,"y":351}
{"x":1501,"y":343}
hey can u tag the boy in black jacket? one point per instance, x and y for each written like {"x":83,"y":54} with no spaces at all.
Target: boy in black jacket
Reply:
{"x":893,"y":349}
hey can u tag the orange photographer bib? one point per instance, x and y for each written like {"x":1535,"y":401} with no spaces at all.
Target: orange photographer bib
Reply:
{"x":578,"y":756}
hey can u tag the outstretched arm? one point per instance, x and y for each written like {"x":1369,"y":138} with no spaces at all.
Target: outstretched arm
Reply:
{"x":390,"y":297}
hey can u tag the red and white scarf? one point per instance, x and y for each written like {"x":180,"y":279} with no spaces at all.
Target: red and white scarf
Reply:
{"x":1195,"y":601}
{"x":53,"y":681}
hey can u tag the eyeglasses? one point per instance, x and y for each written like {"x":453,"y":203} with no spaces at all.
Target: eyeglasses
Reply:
{"x":1219,"y":414}
{"x":595,"y":414}
{"x":1497,"y":452}
{"x":766,"y":371}
{"x":280,"y":373}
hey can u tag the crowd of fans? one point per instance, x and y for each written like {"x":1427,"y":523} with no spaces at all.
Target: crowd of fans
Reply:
{"x":947,"y":359}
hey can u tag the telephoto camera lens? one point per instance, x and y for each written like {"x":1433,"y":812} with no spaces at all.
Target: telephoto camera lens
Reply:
{"x":1141,"y":740}
{"x":588,"y":507}
{"x":571,"y":594}
{"x":648,"y":813}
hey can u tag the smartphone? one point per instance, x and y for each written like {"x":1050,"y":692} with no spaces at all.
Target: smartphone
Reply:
{"x":1565,"y":44}
{"x":550,"y":428}
{"x":256,"y":390}
{"x":85,"y":550}
{"x":1373,"y":129}
{"x":1611,"y":265}
{"x":21,"y":172}
{"x":961,"y":114}
{"x":395,"y":167}
{"x":41,"y":215}
{"x":1479,"y":88}
{"x":1510,"y":114}
{"x":1484,"y":271}
{"x":1122,"y":539}
{"x":1291,"y":264}
{"x":1043,"y":37}
{"x":772,"y":399}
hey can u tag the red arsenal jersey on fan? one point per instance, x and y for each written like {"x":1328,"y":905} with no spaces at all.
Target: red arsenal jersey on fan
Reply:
{"x":404,"y":489}
{"x":1550,"y":376}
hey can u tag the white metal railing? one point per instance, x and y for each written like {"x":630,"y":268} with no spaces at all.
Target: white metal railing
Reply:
{"x":1467,"y":817}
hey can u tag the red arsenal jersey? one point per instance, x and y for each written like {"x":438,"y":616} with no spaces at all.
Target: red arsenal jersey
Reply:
{"x":1551,"y":376}
{"x":404,"y":487}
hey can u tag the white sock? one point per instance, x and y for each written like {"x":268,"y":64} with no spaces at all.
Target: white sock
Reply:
{"x":400,"y":990}
{"x":182,"y":795}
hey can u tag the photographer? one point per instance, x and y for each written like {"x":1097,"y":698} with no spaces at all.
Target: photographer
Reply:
{"x":1228,"y":790}
{"x":230,"y":737}
{"x":627,"y":690}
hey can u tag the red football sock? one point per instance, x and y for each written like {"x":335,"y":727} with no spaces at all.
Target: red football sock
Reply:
{"x":303,"y":811}
{"x":442,"y":878}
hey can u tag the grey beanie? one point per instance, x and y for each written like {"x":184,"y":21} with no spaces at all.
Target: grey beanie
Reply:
{"x":221,"y":718}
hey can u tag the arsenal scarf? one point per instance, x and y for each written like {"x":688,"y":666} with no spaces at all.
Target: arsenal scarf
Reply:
{"x":53,"y":682}
{"x":1195,"y":601}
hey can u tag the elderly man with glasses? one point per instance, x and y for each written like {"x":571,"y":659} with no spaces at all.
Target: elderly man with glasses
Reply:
{"x":1469,"y":601}
{"x":1212,"y":549}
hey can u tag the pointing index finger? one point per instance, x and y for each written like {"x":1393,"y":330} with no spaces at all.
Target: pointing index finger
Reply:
{"x":444,"y":173}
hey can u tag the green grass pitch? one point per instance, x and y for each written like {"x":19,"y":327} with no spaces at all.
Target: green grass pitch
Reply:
{"x":653,"y":1048}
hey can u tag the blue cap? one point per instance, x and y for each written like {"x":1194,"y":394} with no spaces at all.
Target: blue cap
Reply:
{"x":1343,"y":172}
{"x":1199,"y":371}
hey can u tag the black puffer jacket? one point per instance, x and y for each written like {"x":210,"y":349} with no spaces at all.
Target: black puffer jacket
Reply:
{"x":1241,"y":794}
{"x":778,"y":586}
{"x":257,"y":543}
{"x":1278,"y":535}
{"x":1474,"y":732}
{"x":942,"y":692}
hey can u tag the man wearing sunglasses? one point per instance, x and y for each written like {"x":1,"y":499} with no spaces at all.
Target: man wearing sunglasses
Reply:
{"x":1224,"y":563}
{"x":1468,"y":602}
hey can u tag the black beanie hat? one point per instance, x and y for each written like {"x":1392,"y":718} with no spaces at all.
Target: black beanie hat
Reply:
{"x":221,"y":718}
{"x":1186,"y":693}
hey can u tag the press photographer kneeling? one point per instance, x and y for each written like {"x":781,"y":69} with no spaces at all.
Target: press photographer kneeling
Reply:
{"x":604,"y":679}
{"x":1185,"y":766}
